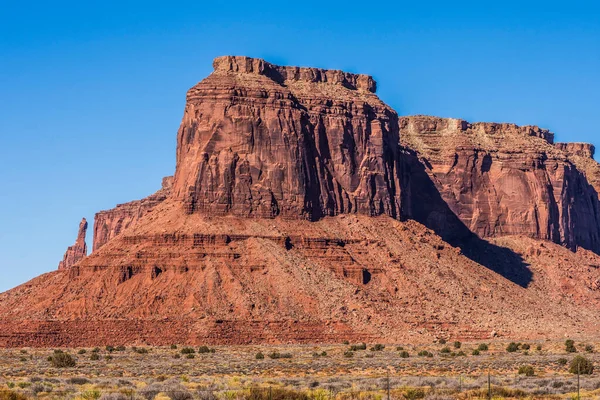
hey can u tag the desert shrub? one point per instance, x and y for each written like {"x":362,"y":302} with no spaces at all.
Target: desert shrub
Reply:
{"x":442,"y":341}
{"x":177,"y":356}
{"x":570,"y":346}
{"x":108,"y":357}
{"x":120,"y":348}
{"x":425,"y":353}
{"x":348,"y":354}
{"x":23,"y":359}
{"x":114,"y":396}
{"x":357,"y":347}
{"x":404,"y":354}
{"x":483,"y":347}
{"x":205,"y":349}
{"x":526,"y":370}
{"x":346,"y":342}
{"x":457,"y":345}
{"x":11,"y":395}
{"x":23,"y":385}
{"x":589,"y":348}
{"x":78,"y":380}
{"x":323,"y":354}
{"x":190,"y":356}
{"x":149,"y":392}
{"x":259,"y":356}
{"x":399,"y":348}
{"x":256,"y":393}
{"x":276,"y":355}
{"x":475,"y":352}
{"x":581,"y":365}
{"x":95,"y":357}
{"x":445,"y":350}
{"x":539,"y":347}
{"x":461,"y":354}
{"x":413,"y":394}
{"x":37,"y":388}
{"x":62,"y":360}
{"x":90,"y":395}
{"x":141,"y":350}
{"x":173,"y":347}
{"x":525,"y":346}
{"x":377,"y":347}
{"x":177,"y":391}
{"x":82,"y":351}
{"x":512,"y":347}
{"x":562,"y":361}
{"x":96,"y":350}
{"x":187,"y":350}
{"x":110,"y":349}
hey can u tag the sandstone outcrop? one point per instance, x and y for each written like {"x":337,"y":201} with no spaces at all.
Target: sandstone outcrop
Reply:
{"x":303,"y":209}
{"x":259,"y":140}
{"x":502,"y":179}
{"x":78,"y":251}
{"x":109,"y":223}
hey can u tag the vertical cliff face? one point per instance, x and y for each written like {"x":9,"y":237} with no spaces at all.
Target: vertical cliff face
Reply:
{"x":109,"y":223}
{"x":78,"y":251}
{"x":501,"y":179}
{"x":259,"y":140}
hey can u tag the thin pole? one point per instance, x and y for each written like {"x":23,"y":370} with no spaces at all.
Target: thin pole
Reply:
{"x":388,"y":385}
{"x":270,"y":393}
{"x":578,"y":372}
{"x":460,"y":383}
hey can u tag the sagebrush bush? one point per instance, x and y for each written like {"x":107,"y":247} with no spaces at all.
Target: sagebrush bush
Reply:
{"x":457,"y":344}
{"x":357,"y":347}
{"x":483,"y":347}
{"x":187,"y":350}
{"x":78,"y":380}
{"x":404,"y":354}
{"x":10,"y":395}
{"x":581,"y":365}
{"x":526,"y":370}
{"x":260,"y":356}
{"x":475,"y":352}
{"x":512,"y":347}
{"x":62,"y":360}
{"x":570,"y":346}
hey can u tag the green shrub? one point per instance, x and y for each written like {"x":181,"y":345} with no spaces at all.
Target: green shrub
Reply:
{"x":323,"y":354}
{"x":141,"y":350}
{"x":445,"y":350}
{"x":348,"y":354}
{"x":461,"y":354}
{"x":425,"y":353}
{"x":399,"y":348}
{"x":525,"y":346}
{"x":377,"y":347}
{"x":404,"y":354}
{"x":260,"y":356}
{"x":108,"y":357}
{"x":82,"y":351}
{"x":357,"y":347}
{"x":276,"y":355}
{"x":91,"y":395}
{"x":483,"y":347}
{"x":442,"y":341}
{"x":120,"y":348}
{"x":96,"y":350}
{"x":62,"y":360}
{"x":95,"y":357}
{"x":526,"y":370}
{"x":512,"y":347}
{"x":205,"y":349}
{"x":110,"y":349}
{"x":475,"y":352}
{"x":457,"y":345}
{"x":187,"y":350}
{"x":346,"y":342}
{"x":539,"y":347}
{"x":581,"y":365}
{"x":589,"y":348}
{"x":570,"y":346}
{"x":562,"y":361}
{"x":190,"y":356}
{"x":173,"y":347}
{"x":413,"y":394}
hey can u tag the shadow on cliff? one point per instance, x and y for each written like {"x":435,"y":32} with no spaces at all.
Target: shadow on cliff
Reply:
{"x":422,"y":202}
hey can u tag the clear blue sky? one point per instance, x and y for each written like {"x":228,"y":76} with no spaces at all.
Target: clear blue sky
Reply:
{"x":91,"y":93}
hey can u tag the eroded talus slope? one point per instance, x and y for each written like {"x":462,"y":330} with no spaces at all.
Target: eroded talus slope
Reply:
{"x":234,"y":280}
{"x":502,"y":179}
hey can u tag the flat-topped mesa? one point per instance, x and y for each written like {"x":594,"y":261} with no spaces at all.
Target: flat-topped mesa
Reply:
{"x":260,"y":140}
{"x":280,"y":74}
{"x":421,"y":124}
{"x":502,"y":179}
{"x":78,"y":251}
{"x":585,"y":150}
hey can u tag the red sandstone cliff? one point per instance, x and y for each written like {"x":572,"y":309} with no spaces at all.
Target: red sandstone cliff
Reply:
{"x":502,"y":179}
{"x":303,"y":209}
{"x":78,"y":251}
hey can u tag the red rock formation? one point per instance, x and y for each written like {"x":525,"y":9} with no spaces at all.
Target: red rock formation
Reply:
{"x":78,"y":251}
{"x":502,"y":179}
{"x":297,"y":213}
{"x":109,"y":223}
{"x":259,"y":140}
